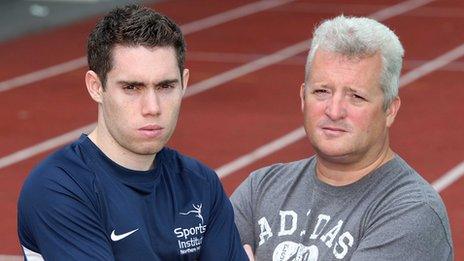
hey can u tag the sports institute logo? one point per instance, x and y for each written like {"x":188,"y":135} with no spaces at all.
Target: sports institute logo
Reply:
{"x":196,"y":210}
{"x":189,"y":238}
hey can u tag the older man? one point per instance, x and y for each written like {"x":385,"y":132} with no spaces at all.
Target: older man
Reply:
{"x":355,"y":199}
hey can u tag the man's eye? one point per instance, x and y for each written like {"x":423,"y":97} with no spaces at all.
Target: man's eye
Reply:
{"x":358,"y":97}
{"x":166,"y":86}
{"x":129,"y":87}
{"x":320,"y":91}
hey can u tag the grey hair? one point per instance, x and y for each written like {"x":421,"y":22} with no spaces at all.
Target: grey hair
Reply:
{"x":360,"y":37}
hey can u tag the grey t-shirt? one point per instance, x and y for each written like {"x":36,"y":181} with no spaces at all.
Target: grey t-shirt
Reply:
{"x":286,"y":213}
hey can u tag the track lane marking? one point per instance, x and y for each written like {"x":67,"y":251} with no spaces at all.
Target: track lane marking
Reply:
{"x":232,"y":14}
{"x":398,"y":9}
{"x":449,"y":177}
{"x":435,"y":64}
{"x":44,"y":146}
{"x":261,"y":152}
{"x":247,"y":68}
{"x":240,"y":58}
{"x":43,"y":74}
{"x":192,"y":27}
{"x":11,"y":258}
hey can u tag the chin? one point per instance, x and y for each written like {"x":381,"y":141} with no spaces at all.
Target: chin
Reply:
{"x":333,"y":154}
{"x":153,"y":148}
{"x":147,"y":151}
{"x":146,"y":148}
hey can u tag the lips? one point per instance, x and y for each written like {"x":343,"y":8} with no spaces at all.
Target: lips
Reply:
{"x":151,"y":131}
{"x":333,"y":132}
{"x":334,"y":129}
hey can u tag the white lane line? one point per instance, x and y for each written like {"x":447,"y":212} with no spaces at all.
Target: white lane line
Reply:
{"x":261,"y":152}
{"x":248,"y":68}
{"x":240,"y":58}
{"x":398,"y":9}
{"x":192,"y":90}
{"x":188,"y":28}
{"x":449,"y":177}
{"x":232,"y":15}
{"x":434,"y":65}
{"x":297,"y":134}
{"x":360,"y":9}
{"x":44,"y":146}
{"x":43,"y":74}
{"x":11,"y":258}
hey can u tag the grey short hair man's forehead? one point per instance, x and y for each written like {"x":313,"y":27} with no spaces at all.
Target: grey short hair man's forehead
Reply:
{"x":360,"y":37}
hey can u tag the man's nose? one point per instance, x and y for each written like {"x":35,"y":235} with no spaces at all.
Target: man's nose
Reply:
{"x":336,"y":108}
{"x":151,"y":103}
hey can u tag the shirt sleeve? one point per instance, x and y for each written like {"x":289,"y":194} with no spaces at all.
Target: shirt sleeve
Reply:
{"x":242,"y":203}
{"x":408,"y":233}
{"x":221,"y":240}
{"x":57,"y":220}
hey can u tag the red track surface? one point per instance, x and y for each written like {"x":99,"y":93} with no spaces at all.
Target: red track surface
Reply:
{"x":224,"y":123}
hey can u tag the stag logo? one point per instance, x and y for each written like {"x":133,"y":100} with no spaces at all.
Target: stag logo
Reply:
{"x":196,"y":210}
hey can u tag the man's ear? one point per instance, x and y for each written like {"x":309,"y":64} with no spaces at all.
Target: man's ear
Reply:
{"x":185,"y":78}
{"x":392,"y":110}
{"x":302,"y":95}
{"x":94,"y":86}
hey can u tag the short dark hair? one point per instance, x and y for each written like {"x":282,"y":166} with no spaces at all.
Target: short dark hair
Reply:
{"x":131,"y":25}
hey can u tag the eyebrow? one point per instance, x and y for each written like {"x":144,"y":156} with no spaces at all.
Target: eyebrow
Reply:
{"x":355,"y":91}
{"x":168,"y":81}
{"x":317,"y":85}
{"x":137,"y":83}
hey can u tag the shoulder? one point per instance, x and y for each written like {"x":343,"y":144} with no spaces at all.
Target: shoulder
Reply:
{"x":281,"y":173}
{"x":273,"y":180}
{"x":405,"y":195}
{"x":64,"y":171}
{"x":413,"y":228}
{"x":70,"y":160}
{"x":60,"y":184}
{"x":404,"y":185}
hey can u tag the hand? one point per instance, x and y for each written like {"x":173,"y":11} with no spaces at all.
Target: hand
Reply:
{"x":249,"y":252}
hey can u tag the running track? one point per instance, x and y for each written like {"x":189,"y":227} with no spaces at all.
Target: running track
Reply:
{"x":242,"y":110}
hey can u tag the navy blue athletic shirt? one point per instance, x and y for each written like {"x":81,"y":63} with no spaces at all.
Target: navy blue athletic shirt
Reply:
{"x":80,"y":205}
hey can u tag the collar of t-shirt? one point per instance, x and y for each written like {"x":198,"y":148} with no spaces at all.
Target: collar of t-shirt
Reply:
{"x":139,"y":180}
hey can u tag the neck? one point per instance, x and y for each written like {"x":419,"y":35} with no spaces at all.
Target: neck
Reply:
{"x":120,"y":155}
{"x":336,"y":174}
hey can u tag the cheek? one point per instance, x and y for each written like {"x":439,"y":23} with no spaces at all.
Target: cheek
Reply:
{"x":118,"y":112}
{"x":172,"y":109}
{"x":360,"y":120}
{"x":368,"y":121}
{"x":312,"y":112}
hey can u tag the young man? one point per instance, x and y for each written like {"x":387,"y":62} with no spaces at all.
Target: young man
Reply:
{"x":117,"y":193}
{"x":355,"y":199}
